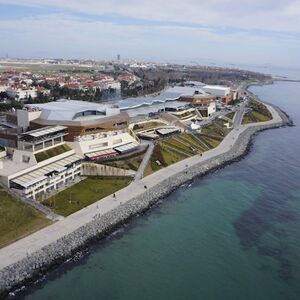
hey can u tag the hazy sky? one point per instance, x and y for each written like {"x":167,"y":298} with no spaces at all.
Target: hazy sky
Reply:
{"x":232,"y":31}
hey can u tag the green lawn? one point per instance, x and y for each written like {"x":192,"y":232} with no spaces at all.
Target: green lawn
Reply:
{"x":215,"y":130}
{"x":179,"y":147}
{"x":132,"y":163}
{"x":147,"y":125}
{"x":259,"y":113}
{"x":172,"y":157}
{"x":167,"y":154}
{"x":17,"y":219}
{"x":213,"y":143}
{"x":254,"y":117}
{"x":85,"y":193}
{"x":230,"y":115}
{"x":192,"y":141}
{"x":52,"y":152}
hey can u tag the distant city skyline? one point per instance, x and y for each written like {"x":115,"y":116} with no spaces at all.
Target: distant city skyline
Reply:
{"x":223,"y":32}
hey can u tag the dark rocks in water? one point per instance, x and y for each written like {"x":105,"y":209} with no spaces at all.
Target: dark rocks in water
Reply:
{"x":285,"y":270}
{"x":270,"y":251}
{"x":260,"y":218}
{"x":249,"y":228}
{"x":264,"y":267}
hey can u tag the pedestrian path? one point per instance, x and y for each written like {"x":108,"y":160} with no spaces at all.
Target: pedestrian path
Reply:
{"x":140,"y":172}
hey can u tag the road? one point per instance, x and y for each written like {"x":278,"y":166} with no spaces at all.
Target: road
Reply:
{"x":239,"y":115}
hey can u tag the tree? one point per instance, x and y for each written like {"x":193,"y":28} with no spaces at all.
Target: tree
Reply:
{"x":3,"y":95}
{"x":98,"y":94}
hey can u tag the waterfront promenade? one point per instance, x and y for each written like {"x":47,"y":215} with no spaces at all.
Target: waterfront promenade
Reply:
{"x":33,"y":255}
{"x":34,"y":242}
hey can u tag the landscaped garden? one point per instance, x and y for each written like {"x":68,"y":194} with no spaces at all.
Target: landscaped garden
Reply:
{"x":131,"y":163}
{"x":17,"y":219}
{"x":147,"y":125}
{"x":85,"y":193}
{"x":258,"y":113}
{"x":230,"y":115}
{"x":178,"y":147}
{"x":52,"y":152}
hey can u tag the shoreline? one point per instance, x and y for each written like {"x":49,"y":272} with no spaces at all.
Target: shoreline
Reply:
{"x":31,"y":267}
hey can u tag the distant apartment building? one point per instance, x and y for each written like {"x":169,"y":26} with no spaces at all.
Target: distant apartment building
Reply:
{"x":21,"y":93}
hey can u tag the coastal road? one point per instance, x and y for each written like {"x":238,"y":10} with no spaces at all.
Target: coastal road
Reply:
{"x":239,"y":115}
{"x":21,"y":249}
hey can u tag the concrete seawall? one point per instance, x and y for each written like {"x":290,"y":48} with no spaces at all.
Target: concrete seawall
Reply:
{"x":36,"y":264}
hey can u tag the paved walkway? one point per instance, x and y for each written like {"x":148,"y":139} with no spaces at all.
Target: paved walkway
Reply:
{"x":140,"y":172}
{"x":30,"y":244}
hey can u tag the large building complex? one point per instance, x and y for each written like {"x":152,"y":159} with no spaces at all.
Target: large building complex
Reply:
{"x":41,"y":162}
{"x":45,"y":143}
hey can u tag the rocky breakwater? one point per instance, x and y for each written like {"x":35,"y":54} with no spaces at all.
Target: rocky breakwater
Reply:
{"x":38,"y":263}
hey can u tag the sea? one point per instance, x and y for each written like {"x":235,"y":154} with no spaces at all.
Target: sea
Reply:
{"x":233,"y":234}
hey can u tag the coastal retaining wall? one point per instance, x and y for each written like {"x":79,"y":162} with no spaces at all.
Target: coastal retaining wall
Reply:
{"x":38,"y":263}
{"x":92,"y":169}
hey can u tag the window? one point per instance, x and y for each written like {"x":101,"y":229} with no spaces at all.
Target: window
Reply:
{"x":38,"y":146}
{"x":98,"y":145}
{"x":57,"y":140}
{"x":121,"y":123}
{"x":27,"y":147}
{"x":25,"y":159}
{"x":48,"y":144}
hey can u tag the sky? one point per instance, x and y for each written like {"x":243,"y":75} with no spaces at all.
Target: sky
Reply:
{"x":257,"y":32}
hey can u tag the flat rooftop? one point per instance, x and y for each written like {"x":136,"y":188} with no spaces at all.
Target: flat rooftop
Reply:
{"x":44,"y":131}
{"x":39,"y":174}
{"x":216,"y":87}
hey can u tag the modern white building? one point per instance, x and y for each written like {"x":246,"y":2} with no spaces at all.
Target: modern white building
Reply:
{"x":216,"y":90}
{"x":21,"y":93}
{"x":92,"y":127}
{"x":45,"y":143}
{"x":40,"y":164}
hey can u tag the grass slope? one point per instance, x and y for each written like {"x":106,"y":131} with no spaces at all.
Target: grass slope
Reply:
{"x":85,"y":193}
{"x":17,"y":219}
{"x":52,"y":152}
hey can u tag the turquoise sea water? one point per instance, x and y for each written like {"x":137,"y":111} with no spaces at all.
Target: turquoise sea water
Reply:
{"x":234,"y":234}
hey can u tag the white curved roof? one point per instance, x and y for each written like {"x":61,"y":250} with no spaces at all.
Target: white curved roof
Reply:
{"x":65,"y":109}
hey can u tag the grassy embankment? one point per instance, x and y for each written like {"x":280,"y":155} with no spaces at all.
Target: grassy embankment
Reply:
{"x":179,"y":147}
{"x":258,"y":113}
{"x":147,"y":126}
{"x":52,"y":152}
{"x":85,"y":193}
{"x":17,"y":219}
{"x":230,"y":115}
{"x":131,"y":163}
